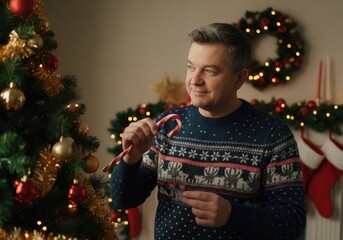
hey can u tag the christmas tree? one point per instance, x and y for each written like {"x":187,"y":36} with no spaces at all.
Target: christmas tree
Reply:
{"x":47,"y":186}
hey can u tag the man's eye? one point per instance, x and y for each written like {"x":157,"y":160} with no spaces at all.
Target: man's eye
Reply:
{"x":210,"y":71}
{"x":191,"y":68}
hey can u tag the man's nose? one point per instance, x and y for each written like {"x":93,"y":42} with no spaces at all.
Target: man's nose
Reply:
{"x":197,"y":78}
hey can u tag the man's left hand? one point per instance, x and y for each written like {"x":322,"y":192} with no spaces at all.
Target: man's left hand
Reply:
{"x":210,"y":209}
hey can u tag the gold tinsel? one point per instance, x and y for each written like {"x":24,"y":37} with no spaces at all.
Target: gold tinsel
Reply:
{"x":38,"y":9}
{"x":98,"y":209}
{"x":16,"y":47}
{"x":51,"y":81}
{"x":45,"y":173}
{"x":18,"y":234}
{"x":52,"y":84}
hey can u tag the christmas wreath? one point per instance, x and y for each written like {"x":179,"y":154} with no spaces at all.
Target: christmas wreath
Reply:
{"x":290,"y":47}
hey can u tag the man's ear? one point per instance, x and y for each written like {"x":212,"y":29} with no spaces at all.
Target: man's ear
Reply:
{"x":241,"y":77}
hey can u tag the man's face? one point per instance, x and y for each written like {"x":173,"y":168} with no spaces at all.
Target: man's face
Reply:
{"x":210,"y":82}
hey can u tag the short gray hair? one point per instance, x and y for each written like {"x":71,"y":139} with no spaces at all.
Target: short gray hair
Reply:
{"x":237,"y":43}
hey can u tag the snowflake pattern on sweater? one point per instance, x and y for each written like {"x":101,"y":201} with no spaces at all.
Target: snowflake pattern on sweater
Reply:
{"x":248,"y":157}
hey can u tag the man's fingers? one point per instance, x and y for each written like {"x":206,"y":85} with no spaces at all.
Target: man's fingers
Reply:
{"x":198,"y":195}
{"x":195,"y":203}
{"x":140,"y":132}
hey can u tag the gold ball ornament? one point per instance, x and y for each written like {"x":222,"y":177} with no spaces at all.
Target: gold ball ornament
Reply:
{"x":12,"y":98}
{"x":90,"y":164}
{"x":83,"y":128}
{"x":64,"y":148}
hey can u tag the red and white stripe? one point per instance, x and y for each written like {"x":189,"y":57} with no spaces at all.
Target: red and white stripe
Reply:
{"x":158,"y":124}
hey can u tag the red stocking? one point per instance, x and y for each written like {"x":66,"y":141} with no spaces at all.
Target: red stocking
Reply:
{"x":325,"y":178}
{"x":311,"y":157}
{"x":135,"y":221}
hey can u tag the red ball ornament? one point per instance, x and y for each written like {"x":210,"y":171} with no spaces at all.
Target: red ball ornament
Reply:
{"x":51,"y":61}
{"x":114,"y":216}
{"x":304,"y":111}
{"x":142,"y":110}
{"x":279,"y":109}
{"x":261,"y":81}
{"x":280,"y":102}
{"x":21,"y":8}
{"x":25,"y":191}
{"x":311,"y":104}
{"x":77,"y":193}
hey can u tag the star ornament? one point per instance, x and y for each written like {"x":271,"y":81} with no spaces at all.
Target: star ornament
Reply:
{"x":168,"y":91}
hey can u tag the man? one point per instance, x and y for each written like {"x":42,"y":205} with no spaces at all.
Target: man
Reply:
{"x":232,"y":171}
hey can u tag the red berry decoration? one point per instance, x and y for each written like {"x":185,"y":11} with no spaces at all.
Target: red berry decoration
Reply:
{"x":21,"y":8}
{"x":254,"y":102}
{"x":25,"y":191}
{"x":265,"y":21}
{"x":77,"y":193}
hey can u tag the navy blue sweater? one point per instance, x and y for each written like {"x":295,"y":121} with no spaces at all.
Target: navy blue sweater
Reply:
{"x":247,"y":157}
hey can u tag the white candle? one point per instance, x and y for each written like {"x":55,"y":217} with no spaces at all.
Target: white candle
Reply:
{"x":328,"y":79}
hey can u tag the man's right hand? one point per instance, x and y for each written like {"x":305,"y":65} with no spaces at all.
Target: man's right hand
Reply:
{"x":140,"y":135}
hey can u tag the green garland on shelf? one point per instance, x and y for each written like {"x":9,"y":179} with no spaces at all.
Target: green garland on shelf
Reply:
{"x":319,"y":118}
{"x":290,"y":47}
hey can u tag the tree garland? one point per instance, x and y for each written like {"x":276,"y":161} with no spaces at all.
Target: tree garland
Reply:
{"x":290,"y":48}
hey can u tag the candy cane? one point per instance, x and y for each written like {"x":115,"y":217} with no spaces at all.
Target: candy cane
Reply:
{"x":158,"y":124}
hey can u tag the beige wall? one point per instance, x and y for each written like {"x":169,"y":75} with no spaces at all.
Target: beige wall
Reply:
{"x":117,"y":48}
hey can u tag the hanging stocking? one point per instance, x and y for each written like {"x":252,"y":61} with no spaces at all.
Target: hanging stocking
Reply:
{"x":325,"y":178}
{"x":311,"y":156}
{"x":135,"y":221}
